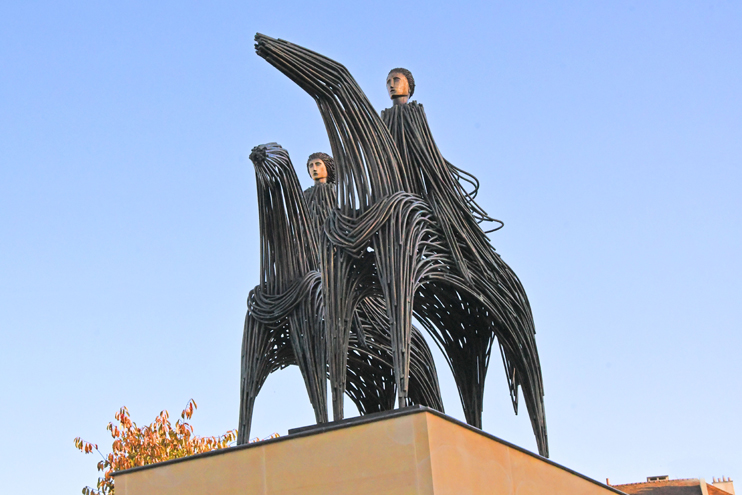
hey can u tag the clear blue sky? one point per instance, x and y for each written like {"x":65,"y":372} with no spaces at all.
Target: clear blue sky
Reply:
{"x":606,"y":135}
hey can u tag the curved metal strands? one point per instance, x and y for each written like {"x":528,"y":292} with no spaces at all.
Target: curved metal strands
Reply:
{"x":369,"y":343}
{"x":492,"y":286}
{"x":283,"y":325}
{"x":287,"y":301}
{"x":365,"y":156}
{"x":424,"y":388}
{"x":368,"y":170}
{"x":371,"y":383}
{"x":401,"y":202}
{"x":264,"y":350}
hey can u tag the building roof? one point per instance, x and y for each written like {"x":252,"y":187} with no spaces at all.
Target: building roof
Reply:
{"x":670,"y":487}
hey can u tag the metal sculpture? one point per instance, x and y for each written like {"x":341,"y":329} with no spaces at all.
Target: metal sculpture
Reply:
{"x":395,"y":235}
{"x":284,"y":321}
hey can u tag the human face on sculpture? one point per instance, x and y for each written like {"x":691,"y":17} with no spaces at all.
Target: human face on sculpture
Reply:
{"x":317,"y":170}
{"x":397,"y":85}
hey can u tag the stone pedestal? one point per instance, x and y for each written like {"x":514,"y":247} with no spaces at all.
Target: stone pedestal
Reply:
{"x":414,"y":451}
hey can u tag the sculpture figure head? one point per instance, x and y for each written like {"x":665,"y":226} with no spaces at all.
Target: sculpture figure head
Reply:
{"x":321,"y":167}
{"x":400,"y":85}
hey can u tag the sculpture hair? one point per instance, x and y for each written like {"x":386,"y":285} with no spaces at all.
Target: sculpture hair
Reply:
{"x":408,"y":75}
{"x":329,"y":164}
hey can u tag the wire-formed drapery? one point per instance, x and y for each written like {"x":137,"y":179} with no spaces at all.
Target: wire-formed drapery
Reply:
{"x":401,"y":237}
{"x":284,"y":324}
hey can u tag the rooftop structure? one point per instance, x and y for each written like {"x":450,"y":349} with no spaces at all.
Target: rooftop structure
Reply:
{"x":663,"y":485}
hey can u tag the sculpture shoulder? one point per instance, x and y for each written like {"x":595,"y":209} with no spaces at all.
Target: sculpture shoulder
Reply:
{"x":412,"y":106}
{"x":409,"y":111}
{"x":321,"y":189}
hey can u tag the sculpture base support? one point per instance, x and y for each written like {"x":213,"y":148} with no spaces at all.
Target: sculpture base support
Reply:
{"x":412,"y":451}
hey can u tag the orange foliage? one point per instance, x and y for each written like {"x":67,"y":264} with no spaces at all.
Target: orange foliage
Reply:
{"x":160,"y":441}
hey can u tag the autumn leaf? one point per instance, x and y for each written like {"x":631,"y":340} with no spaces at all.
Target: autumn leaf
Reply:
{"x":159,"y":441}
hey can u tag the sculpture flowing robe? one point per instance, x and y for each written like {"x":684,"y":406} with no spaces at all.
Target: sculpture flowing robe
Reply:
{"x":370,"y":370}
{"x":284,"y":323}
{"x":490,"y":301}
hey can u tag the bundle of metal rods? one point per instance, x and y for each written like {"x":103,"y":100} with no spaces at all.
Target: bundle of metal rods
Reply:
{"x":405,"y":230}
{"x":284,"y":324}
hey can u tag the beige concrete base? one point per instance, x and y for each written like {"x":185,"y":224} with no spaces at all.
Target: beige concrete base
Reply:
{"x":404,"y":453}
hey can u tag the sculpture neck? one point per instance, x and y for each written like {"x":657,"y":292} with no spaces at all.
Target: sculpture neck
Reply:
{"x":400,"y":100}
